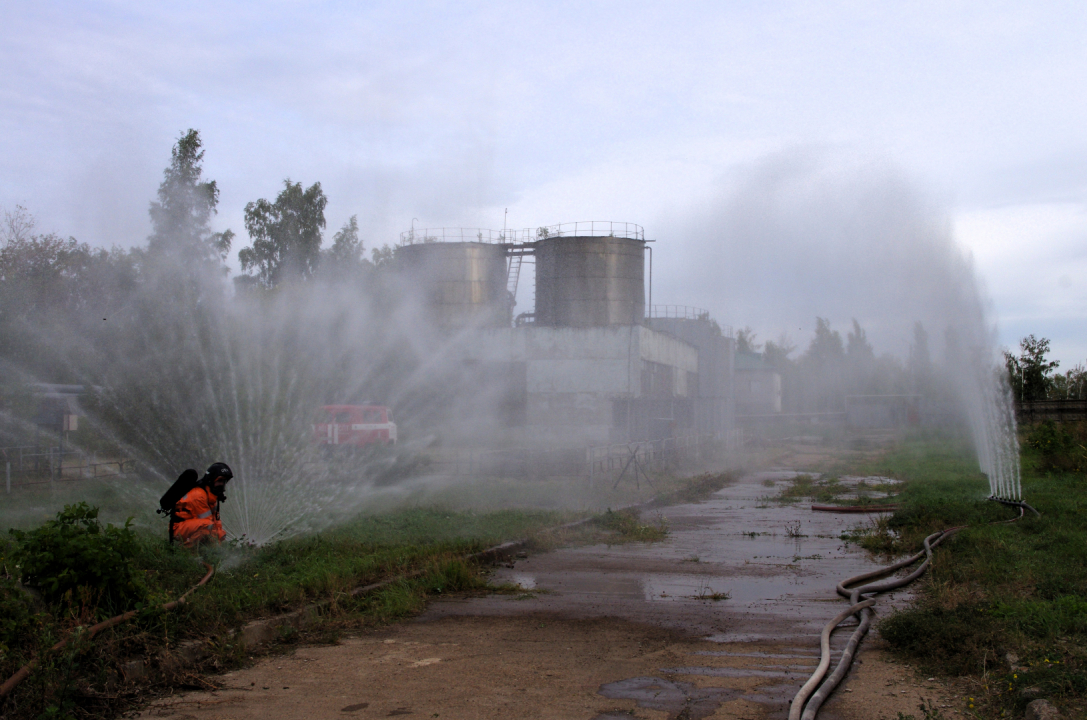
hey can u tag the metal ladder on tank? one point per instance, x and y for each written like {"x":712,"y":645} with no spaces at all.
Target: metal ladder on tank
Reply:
{"x":516,"y":255}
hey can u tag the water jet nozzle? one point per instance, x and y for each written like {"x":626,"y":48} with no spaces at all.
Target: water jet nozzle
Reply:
{"x":1014,"y":503}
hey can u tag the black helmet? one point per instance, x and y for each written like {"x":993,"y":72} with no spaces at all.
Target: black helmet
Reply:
{"x":218,"y":470}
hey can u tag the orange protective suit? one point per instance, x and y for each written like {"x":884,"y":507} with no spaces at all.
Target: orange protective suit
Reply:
{"x":197,"y":517}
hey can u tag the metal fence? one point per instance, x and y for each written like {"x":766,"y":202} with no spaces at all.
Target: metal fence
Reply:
{"x":25,"y":465}
{"x":1058,"y":410}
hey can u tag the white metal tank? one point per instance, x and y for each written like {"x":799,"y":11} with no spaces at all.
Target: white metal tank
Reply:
{"x":590,"y":281}
{"x":464,"y":283}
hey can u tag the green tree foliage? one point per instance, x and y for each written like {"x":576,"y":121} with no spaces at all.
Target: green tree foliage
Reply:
{"x":181,"y":218}
{"x":777,"y":353}
{"x":346,"y":246}
{"x":830,"y":369}
{"x":286,"y":235}
{"x":1029,"y":374}
{"x":74,"y":551}
{"x":826,"y":347}
{"x":52,"y":288}
{"x":1072,"y":385}
{"x":345,"y":260}
{"x":857,"y":348}
{"x":382,"y":256}
{"x":745,"y":341}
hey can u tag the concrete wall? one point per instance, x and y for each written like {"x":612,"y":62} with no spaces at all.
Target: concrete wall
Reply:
{"x":574,"y":376}
{"x":714,"y":408}
{"x":758,"y":391}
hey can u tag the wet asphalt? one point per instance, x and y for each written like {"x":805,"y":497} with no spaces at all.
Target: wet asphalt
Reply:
{"x":751,"y":575}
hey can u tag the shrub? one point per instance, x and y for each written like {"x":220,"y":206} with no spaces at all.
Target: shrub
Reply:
{"x":957,"y":641}
{"x":1057,"y":447}
{"x":75,"y":552}
{"x":15,"y":614}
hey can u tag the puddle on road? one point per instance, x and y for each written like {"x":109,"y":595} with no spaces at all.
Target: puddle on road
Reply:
{"x":525,"y":582}
{"x":678,"y":698}
{"x":777,"y":563}
{"x":740,"y":589}
{"x":738,"y":566}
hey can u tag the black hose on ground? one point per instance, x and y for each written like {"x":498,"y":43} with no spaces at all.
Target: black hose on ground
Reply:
{"x":93,"y":630}
{"x":804,"y":707}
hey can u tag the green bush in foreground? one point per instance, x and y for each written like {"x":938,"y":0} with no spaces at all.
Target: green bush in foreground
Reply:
{"x":74,"y":554}
{"x":16,"y":611}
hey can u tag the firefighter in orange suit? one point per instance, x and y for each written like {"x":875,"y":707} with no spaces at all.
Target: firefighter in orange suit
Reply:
{"x":195,"y":518}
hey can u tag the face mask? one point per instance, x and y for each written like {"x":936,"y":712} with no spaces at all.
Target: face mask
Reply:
{"x":219,"y":491}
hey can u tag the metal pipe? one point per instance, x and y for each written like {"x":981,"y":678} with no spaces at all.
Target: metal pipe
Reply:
{"x":650,"y":303}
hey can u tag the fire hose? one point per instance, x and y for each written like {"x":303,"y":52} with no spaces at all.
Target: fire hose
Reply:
{"x":93,"y":630}
{"x":808,"y":699}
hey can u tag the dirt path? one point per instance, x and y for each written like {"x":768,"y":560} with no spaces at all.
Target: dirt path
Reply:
{"x":719,"y":621}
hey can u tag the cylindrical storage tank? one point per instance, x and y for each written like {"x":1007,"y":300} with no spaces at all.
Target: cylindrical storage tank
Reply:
{"x":590,"y":281}
{"x":462,"y":283}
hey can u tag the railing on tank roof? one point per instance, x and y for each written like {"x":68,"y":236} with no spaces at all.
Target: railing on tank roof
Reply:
{"x":581,"y":228}
{"x":592,"y":228}
{"x":482,"y":235}
{"x":681,"y":312}
{"x":685,"y":312}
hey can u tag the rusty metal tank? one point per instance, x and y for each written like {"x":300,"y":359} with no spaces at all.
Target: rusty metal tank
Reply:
{"x":588,"y":281}
{"x":463,"y":283}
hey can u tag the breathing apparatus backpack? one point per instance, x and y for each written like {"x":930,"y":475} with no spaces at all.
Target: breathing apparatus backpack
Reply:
{"x":186,"y":482}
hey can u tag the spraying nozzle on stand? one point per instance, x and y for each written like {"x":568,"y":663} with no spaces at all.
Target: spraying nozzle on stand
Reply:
{"x":1014,"y":503}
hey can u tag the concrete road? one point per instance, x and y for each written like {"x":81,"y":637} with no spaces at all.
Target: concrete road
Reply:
{"x":721,"y":620}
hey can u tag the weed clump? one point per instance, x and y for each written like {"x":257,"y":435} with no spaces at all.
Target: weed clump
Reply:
{"x":820,"y":489}
{"x":957,"y":641}
{"x":626,"y":526}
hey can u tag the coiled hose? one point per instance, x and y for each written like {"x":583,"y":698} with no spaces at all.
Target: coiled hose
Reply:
{"x":804,"y":707}
{"x":93,"y":630}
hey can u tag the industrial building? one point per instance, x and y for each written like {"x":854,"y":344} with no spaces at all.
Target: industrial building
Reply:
{"x":591,"y":364}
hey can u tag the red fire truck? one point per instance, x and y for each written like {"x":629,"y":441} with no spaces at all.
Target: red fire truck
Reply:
{"x":354,"y":426}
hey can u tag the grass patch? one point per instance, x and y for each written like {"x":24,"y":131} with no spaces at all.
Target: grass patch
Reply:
{"x":696,"y":489}
{"x":820,"y":489}
{"x":82,"y":680}
{"x":627,"y":526}
{"x":993,"y":589}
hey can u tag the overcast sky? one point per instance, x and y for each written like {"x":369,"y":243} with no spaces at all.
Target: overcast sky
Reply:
{"x":646,"y":112}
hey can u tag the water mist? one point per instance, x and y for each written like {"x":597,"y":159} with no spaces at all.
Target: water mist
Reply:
{"x":800,"y":235}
